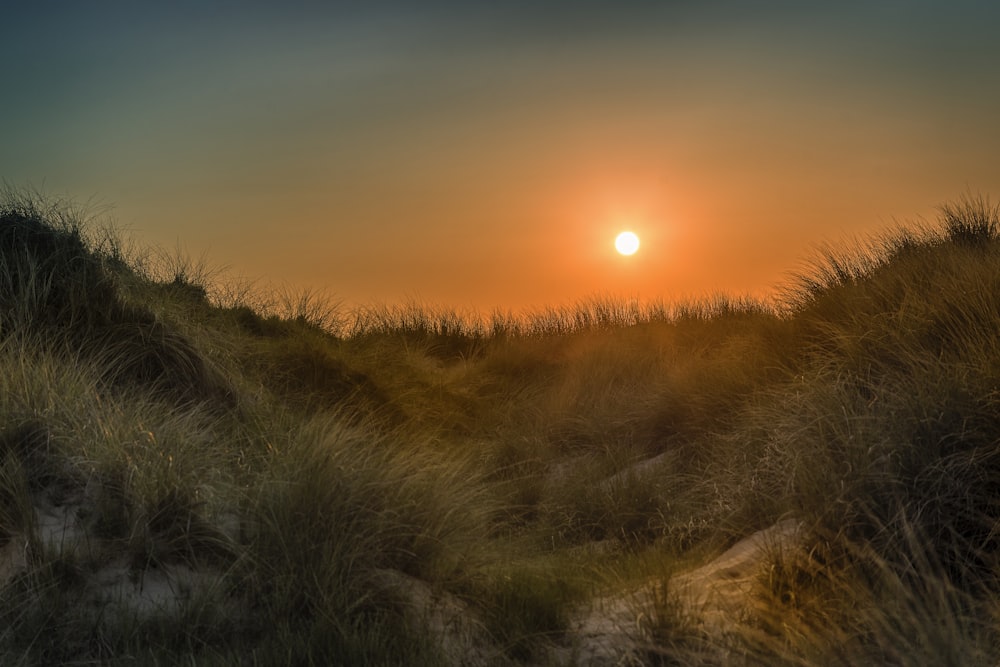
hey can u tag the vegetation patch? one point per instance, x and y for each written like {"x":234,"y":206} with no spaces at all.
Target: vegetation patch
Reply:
{"x":193,"y":471}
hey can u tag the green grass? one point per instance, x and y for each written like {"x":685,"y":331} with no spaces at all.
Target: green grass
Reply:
{"x":279,"y":464}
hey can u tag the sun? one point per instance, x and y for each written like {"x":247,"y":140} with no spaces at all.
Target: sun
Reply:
{"x":627,"y":243}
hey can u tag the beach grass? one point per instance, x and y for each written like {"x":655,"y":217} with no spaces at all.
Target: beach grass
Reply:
{"x":196,"y":471}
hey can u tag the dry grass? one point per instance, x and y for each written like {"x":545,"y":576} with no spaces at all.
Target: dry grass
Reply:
{"x":276,"y":457}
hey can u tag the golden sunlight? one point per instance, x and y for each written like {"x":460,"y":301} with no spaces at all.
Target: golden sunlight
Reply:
{"x":627,"y":243}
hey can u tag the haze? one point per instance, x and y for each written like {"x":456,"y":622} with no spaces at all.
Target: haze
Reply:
{"x":486,"y":156}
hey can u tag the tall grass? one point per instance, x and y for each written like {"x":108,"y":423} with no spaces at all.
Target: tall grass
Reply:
{"x":287,"y":463}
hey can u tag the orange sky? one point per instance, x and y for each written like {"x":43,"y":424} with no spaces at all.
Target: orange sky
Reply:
{"x":487,"y":156}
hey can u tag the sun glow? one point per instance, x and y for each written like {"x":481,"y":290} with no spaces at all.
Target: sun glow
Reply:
{"x":627,"y":243}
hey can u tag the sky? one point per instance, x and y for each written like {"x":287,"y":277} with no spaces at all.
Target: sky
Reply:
{"x":483,"y":155}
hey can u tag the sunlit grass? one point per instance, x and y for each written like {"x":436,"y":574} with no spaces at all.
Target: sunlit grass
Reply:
{"x":303,"y":479}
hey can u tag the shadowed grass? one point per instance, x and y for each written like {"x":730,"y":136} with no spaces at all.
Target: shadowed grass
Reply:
{"x":273,"y":466}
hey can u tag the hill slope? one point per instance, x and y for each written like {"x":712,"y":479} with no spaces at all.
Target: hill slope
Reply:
{"x":191,"y":471}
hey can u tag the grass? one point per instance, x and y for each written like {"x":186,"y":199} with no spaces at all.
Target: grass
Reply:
{"x":196,"y":471}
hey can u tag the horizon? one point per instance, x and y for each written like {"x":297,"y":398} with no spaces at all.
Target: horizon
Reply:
{"x":485,"y":158}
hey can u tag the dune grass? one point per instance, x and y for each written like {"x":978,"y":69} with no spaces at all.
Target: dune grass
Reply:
{"x":195,"y":471}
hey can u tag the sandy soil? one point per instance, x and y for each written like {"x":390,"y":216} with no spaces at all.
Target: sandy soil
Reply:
{"x":615,"y":630}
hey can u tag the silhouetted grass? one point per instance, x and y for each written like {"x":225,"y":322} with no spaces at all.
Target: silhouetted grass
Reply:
{"x":281,"y":464}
